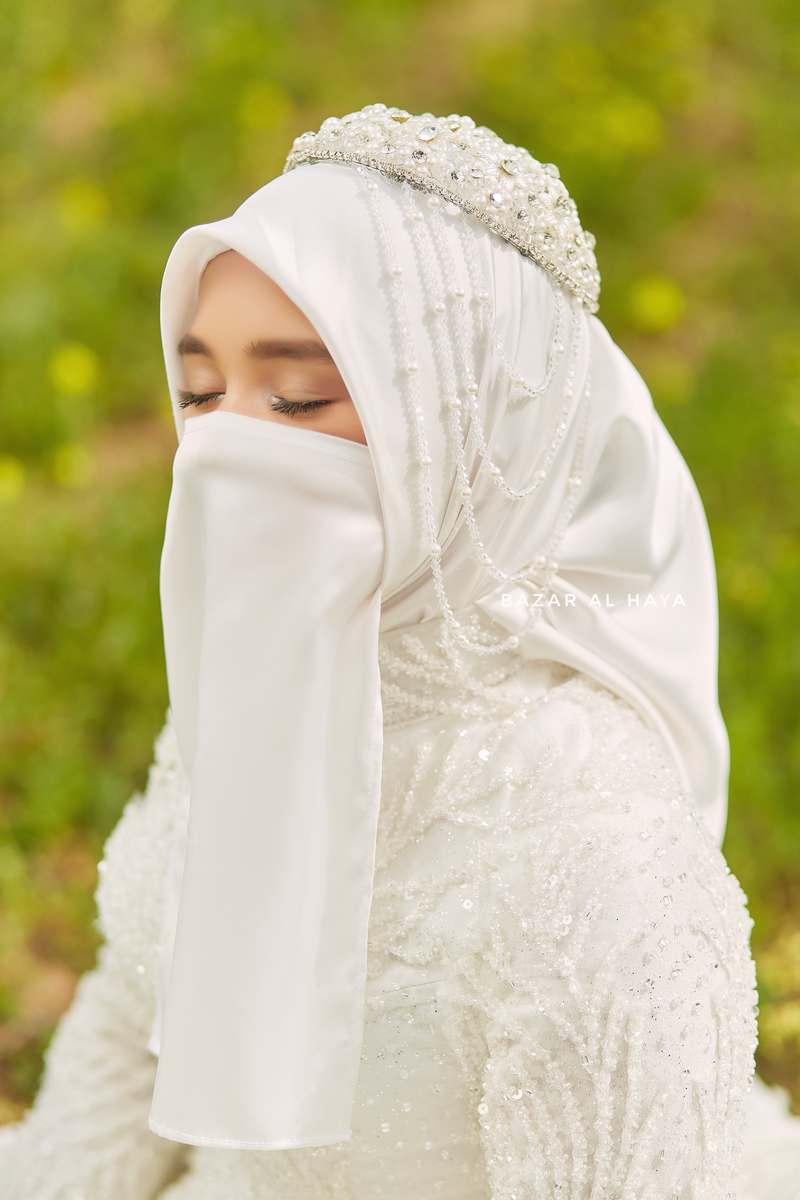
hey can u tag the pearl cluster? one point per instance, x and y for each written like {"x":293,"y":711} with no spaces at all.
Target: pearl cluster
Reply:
{"x":521,"y":199}
{"x":449,"y":307}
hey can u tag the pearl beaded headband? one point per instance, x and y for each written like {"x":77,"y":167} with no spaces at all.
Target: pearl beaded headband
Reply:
{"x":521,"y":199}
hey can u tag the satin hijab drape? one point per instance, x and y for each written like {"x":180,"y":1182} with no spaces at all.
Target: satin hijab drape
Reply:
{"x":638,"y":530}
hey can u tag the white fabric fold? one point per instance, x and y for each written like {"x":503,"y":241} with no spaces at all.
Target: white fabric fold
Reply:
{"x":274,"y":688}
{"x":635,"y":604}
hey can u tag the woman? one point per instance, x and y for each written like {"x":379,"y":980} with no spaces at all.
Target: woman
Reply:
{"x":473,"y":939}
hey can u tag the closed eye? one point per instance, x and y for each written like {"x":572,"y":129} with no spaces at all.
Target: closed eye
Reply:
{"x":287,"y":408}
{"x":290,"y":408}
{"x":187,"y":399}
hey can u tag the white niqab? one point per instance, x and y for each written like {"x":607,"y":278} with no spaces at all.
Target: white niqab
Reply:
{"x":272,"y":695}
{"x":262,"y":1009}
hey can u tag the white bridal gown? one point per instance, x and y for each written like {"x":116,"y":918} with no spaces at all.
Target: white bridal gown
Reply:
{"x":560,"y":997}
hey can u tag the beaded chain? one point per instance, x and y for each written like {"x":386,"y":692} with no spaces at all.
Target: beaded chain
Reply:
{"x":482,"y":295}
{"x":469,"y":383}
{"x":544,"y":563}
{"x":557,"y":349}
{"x":460,"y":375}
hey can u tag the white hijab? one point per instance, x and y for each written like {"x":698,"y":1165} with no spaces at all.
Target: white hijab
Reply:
{"x":244,"y":1074}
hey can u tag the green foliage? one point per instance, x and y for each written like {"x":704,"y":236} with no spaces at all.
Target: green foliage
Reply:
{"x":675,"y":125}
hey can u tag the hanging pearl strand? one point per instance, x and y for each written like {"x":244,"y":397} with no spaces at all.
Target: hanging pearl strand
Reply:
{"x":443,"y":347}
{"x":479,"y":286}
{"x":541,"y":473}
{"x":573,"y":484}
{"x":545,"y":562}
{"x":480,"y":289}
{"x":545,"y":565}
{"x":416,"y":413}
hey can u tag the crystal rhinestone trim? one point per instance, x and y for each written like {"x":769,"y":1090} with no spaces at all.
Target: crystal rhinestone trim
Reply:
{"x":521,"y":199}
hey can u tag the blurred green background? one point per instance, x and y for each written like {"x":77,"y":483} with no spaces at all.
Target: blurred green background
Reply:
{"x":676,"y":126}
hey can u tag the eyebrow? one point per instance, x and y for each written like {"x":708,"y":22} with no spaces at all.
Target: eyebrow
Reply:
{"x":298,"y":348}
{"x":189,"y":344}
{"x":294,"y":348}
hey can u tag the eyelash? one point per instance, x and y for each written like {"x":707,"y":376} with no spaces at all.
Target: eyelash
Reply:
{"x":288,"y":408}
{"x":187,"y":399}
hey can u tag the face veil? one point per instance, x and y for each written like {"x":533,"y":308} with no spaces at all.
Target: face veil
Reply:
{"x":277,"y":713}
{"x":514,"y":462}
